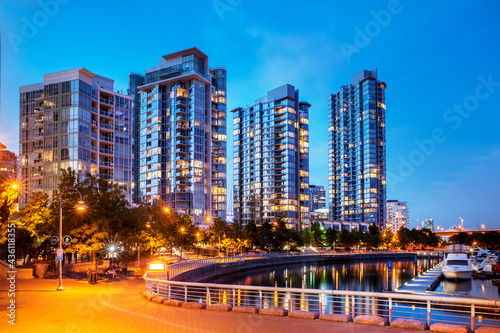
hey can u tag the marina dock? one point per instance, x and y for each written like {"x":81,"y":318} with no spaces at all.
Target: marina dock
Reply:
{"x":422,"y":283}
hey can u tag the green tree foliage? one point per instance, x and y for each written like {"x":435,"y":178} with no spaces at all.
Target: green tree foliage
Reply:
{"x":37,"y":217}
{"x":387,"y":238}
{"x":461,"y":238}
{"x":88,"y":239}
{"x":403,"y":238}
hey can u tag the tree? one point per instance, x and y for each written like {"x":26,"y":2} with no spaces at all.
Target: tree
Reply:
{"x":88,"y":239}
{"x":461,"y":238}
{"x":152,"y":239}
{"x":8,"y":195}
{"x":36,"y":217}
{"x":387,"y":238}
{"x":331,"y":236}
{"x":403,"y":238}
{"x":252,"y":232}
{"x":373,"y":237}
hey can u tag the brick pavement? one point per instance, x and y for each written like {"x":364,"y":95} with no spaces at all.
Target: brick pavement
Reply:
{"x":118,"y":306}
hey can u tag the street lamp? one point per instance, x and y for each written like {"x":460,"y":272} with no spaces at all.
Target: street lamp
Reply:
{"x":79,"y":206}
{"x":483,"y":226}
{"x":112,"y":250}
{"x":182,"y":229}
{"x":220,"y":245}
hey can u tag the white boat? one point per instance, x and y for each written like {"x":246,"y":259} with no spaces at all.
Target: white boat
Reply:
{"x":457,"y":266}
{"x":480,"y":254}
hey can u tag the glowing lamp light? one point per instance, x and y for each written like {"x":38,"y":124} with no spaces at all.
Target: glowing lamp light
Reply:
{"x":15,"y":186}
{"x":166,"y":209}
{"x":80,"y":206}
{"x":112,"y":248}
{"x":157,"y":267}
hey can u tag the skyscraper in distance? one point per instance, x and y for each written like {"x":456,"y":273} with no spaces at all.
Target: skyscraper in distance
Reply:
{"x":397,"y":216}
{"x":317,"y":197}
{"x":271,"y":159}
{"x":181,"y":117}
{"x":357,"y":158}
{"x":73,"y":119}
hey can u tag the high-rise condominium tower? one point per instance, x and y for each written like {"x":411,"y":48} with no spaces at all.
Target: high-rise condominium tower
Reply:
{"x":317,"y":197}
{"x":73,"y":119}
{"x":181,"y":116}
{"x":398,"y":215}
{"x":271,"y":159}
{"x":357,"y":150}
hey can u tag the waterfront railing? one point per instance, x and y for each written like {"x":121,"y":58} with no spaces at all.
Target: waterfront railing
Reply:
{"x":184,"y":266}
{"x":430,"y":309}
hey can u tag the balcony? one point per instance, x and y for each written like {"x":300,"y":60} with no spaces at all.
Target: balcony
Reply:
{"x":38,"y":135}
{"x":106,"y":113}
{"x":181,"y":143}
{"x":106,"y":175}
{"x":105,"y":151}
{"x":93,"y":135}
{"x":106,"y":138}
{"x":107,"y":126}
{"x":107,"y":101}
{"x":106,"y":164}
{"x":181,"y":103}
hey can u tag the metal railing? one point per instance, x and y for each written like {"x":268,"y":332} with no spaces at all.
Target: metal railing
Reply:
{"x":452,"y":310}
{"x":181,"y":267}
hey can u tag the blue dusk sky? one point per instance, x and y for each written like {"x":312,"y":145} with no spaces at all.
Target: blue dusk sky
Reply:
{"x":440,"y":60}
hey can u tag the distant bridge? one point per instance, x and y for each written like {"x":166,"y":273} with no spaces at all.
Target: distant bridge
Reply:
{"x":454,"y":232}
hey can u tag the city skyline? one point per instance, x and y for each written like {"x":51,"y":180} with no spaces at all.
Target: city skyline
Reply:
{"x":440,"y":158}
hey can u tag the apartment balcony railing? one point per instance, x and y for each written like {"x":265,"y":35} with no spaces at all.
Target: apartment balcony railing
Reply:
{"x":106,"y":138}
{"x":106,"y":151}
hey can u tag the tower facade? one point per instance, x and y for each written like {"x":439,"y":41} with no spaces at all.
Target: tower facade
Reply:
{"x":357,"y":158}
{"x":398,"y":215}
{"x":74,"y":119}
{"x":271,"y":159}
{"x":317,"y":197}
{"x":182,"y":135}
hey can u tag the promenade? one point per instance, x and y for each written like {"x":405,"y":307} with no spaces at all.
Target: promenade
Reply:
{"x":118,"y":306}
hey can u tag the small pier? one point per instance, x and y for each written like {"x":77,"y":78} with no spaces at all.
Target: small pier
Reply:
{"x":425,"y":282}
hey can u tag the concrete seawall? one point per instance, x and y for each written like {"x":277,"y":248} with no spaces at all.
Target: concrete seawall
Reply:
{"x":210,"y":272}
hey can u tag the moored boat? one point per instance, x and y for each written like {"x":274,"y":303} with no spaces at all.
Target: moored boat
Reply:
{"x":457,"y":266}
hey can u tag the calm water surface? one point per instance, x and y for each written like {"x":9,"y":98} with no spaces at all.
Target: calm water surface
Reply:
{"x":372,"y":275}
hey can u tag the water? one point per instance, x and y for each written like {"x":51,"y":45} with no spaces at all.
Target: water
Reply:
{"x":372,"y":275}
{"x":474,"y":288}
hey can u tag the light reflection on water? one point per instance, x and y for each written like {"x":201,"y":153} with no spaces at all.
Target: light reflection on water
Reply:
{"x":371,"y":275}
{"x":474,"y":287}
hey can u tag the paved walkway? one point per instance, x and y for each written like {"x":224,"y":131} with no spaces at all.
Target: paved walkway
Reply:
{"x":118,"y":306}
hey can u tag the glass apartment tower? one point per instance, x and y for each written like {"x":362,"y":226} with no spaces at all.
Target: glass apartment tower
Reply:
{"x":357,"y":160}
{"x":398,"y":215}
{"x":271,"y":159}
{"x":73,"y":119}
{"x":317,"y":197}
{"x":181,"y":124}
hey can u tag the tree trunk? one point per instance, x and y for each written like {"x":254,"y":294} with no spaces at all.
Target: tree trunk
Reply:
{"x":94,"y":262}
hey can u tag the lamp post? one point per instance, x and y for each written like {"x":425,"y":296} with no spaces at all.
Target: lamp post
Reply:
{"x":79,"y":206}
{"x":182,"y":229}
{"x":220,"y":245}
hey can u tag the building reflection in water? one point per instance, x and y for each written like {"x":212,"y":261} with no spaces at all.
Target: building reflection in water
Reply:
{"x":371,"y":275}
